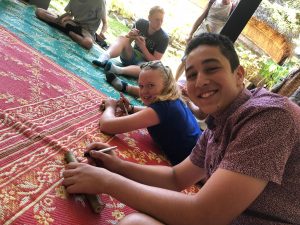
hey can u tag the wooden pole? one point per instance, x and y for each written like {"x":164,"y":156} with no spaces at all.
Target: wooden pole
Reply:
{"x":239,"y":18}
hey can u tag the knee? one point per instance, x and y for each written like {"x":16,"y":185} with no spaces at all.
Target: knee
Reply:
{"x":87,"y":43}
{"x":39,"y":12}
{"x":123,"y":40}
{"x":131,"y":219}
{"x":138,"y":219}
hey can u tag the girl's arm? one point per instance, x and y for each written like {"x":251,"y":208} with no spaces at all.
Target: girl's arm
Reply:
{"x":111,"y":124}
{"x":125,"y":105}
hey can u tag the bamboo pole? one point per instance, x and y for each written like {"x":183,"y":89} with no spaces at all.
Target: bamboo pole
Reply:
{"x":95,"y":202}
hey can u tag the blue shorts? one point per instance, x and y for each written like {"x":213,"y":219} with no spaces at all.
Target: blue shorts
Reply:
{"x":136,"y":59}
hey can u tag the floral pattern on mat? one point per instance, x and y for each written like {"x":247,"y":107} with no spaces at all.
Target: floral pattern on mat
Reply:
{"x":45,"y":111}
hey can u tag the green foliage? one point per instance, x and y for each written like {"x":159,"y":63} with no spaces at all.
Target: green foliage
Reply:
{"x":251,"y":63}
{"x":261,"y":70}
{"x":272,"y":72}
{"x":118,"y":7}
{"x":115,"y":29}
{"x":176,"y":38}
{"x":58,"y":5}
{"x":290,"y":3}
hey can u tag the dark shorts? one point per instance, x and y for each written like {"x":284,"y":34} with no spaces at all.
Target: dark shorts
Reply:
{"x":136,"y":59}
{"x":74,"y":27}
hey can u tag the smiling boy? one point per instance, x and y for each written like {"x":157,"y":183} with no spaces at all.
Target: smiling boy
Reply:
{"x":249,"y":155}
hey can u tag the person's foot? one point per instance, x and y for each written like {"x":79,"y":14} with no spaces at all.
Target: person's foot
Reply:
{"x":102,"y":60}
{"x":117,"y":83}
{"x":103,"y":44}
{"x":112,"y":68}
{"x":98,"y":63}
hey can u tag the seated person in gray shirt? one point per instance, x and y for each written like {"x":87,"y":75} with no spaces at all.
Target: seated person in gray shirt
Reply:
{"x":149,"y":42}
{"x":249,"y":155}
{"x":80,"y":22}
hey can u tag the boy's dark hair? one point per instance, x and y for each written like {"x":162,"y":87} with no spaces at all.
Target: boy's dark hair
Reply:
{"x":218,"y":40}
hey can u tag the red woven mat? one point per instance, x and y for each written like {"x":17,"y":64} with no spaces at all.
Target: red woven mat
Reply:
{"x":45,"y":111}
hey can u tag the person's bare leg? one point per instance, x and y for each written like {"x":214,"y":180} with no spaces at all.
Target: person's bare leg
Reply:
{"x":122,"y":46}
{"x":85,"y":41}
{"x":44,"y":15}
{"x":132,"y":70}
{"x":133,"y":90}
{"x":138,"y":219}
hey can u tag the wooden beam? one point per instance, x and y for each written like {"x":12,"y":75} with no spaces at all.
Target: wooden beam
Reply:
{"x":239,"y":18}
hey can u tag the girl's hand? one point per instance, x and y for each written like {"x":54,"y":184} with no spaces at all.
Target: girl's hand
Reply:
{"x":123,"y":103}
{"x":110,"y":102}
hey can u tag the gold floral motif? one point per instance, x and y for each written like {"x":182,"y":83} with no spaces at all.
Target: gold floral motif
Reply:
{"x":61,"y":192}
{"x":141,"y":157}
{"x":8,"y":97}
{"x":43,"y":218}
{"x":45,"y":177}
{"x":43,"y":208}
{"x":7,"y":196}
{"x":117,"y":214}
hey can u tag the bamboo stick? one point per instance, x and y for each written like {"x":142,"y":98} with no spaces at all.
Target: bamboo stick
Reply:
{"x":95,"y":202}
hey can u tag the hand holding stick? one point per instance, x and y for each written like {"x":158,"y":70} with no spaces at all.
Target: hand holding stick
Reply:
{"x":122,"y":101}
{"x":94,"y":200}
{"x":104,"y":150}
{"x":134,"y":32}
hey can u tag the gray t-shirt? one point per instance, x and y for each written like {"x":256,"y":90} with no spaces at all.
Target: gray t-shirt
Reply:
{"x":259,"y":136}
{"x":88,"y":13}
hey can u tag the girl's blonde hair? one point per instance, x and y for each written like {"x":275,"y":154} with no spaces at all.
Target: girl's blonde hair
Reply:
{"x":171,"y":90}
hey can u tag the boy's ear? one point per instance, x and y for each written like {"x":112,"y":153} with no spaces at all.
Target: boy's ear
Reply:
{"x":240,"y":74}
